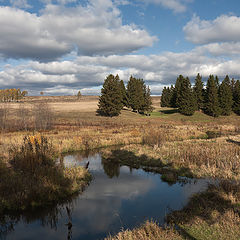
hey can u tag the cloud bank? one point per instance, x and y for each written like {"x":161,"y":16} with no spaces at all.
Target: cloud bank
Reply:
{"x":90,"y":30}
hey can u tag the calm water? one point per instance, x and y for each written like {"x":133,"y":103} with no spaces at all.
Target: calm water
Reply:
{"x":118,"y":197}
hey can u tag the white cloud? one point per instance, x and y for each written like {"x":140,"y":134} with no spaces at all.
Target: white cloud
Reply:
{"x":93,"y":29}
{"x":20,"y":3}
{"x":222,"y":29}
{"x":177,"y":6}
{"x":221,"y":49}
{"x":88,"y":73}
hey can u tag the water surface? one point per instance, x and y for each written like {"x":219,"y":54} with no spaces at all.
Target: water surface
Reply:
{"x":117,"y":198}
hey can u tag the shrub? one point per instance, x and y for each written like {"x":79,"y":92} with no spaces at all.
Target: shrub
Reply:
{"x":34,"y":178}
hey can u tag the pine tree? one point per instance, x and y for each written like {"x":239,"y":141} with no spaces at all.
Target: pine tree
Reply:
{"x":166,"y":97}
{"x":172,"y":100}
{"x":236,"y":97}
{"x":147,"y":107}
{"x":135,"y":93}
{"x":123,"y":94}
{"x":211,"y":98}
{"x":199,"y":92}
{"x":217,"y":82}
{"x":110,"y":103}
{"x":175,"y":97}
{"x":225,"y":97}
{"x":186,"y":98}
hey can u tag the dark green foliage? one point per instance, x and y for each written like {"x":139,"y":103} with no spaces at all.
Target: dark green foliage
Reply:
{"x":225,"y":97}
{"x":236,"y":98}
{"x":139,"y":95}
{"x":147,"y":106}
{"x":199,"y":92}
{"x":211,"y":98}
{"x":123,"y":94}
{"x":217,"y":82}
{"x":110,"y":101}
{"x":186,"y":99}
{"x":166,"y":97}
{"x":172,"y":99}
{"x":135,"y":93}
{"x":175,"y":97}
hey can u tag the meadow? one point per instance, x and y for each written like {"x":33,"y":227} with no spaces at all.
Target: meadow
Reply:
{"x":166,"y":142}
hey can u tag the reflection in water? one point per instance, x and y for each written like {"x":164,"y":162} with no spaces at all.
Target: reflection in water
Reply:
{"x":111,"y":169}
{"x":118,"y":197}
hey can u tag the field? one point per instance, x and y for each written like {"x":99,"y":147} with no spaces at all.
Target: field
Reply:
{"x":167,"y":142}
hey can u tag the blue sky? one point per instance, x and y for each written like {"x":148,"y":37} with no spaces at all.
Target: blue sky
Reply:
{"x":62,"y":46}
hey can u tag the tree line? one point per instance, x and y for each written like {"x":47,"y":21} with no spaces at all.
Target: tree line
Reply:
{"x":11,"y":95}
{"x":214,"y":99}
{"x":115,"y":96}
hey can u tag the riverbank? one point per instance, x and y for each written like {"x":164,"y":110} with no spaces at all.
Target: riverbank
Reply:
{"x":32,"y":177}
{"x":217,"y":159}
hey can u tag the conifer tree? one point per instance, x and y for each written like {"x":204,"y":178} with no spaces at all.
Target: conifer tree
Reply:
{"x":236,"y":97}
{"x":147,"y":107}
{"x":166,"y":97}
{"x":211,"y":98}
{"x":225,"y":97}
{"x":135,"y":93}
{"x":123,"y":94}
{"x":217,"y":82}
{"x":199,"y":92}
{"x":175,"y":97}
{"x":110,"y":101}
{"x":186,"y":98}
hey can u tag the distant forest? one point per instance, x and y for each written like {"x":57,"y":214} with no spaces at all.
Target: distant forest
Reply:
{"x":11,"y":95}
{"x":214,"y":99}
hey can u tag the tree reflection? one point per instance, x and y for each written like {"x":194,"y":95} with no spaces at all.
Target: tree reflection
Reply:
{"x":48,"y":217}
{"x":111,"y":169}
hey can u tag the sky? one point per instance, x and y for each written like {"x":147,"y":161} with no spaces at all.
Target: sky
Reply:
{"x":63,"y":46}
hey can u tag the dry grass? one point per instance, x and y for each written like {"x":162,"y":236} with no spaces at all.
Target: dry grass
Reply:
{"x":150,"y":230}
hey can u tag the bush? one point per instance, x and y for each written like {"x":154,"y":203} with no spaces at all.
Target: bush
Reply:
{"x":154,"y":138}
{"x":34,"y":178}
{"x":213,"y":134}
{"x":34,"y":153}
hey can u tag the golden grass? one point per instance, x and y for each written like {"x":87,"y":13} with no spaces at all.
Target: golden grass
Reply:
{"x":150,"y":230}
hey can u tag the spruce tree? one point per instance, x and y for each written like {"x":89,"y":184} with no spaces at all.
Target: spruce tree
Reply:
{"x":147,"y":107}
{"x":135,"y":93}
{"x":123,"y":91}
{"x":110,"y":101}
{"x":236,"y":97}
{"x":166,"y":97}
{"x":172,"y":100}
{"x":211,"y":98}
{"x":199,"y":92}
{"x":175,"y":97}
{"x":186,"y":98}
{"x":225,"y":97}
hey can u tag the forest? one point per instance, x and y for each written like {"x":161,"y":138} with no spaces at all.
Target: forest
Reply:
{"x":214,"y":99}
